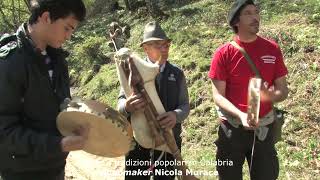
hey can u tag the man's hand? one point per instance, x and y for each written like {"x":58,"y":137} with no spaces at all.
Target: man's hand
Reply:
{"x":266,"y":93}
{"x":276,"y":93}
{"x":167,"y":120}
{"x":135,"y":102}
{"x":245,"y":121}
{"x":75,"y":142}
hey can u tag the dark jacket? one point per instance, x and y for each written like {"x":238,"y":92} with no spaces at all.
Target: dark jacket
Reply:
{"x":29,"y":105}
{"x":168,"y":89}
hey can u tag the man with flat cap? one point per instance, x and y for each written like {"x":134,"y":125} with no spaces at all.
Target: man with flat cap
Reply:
{"x":172,"y":90}
{"x":230,"y":73}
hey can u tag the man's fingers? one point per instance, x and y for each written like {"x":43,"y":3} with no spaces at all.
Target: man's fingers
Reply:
{"x":167,"y":123}
{"x":161,"y":116}
{"x":72,"y":143}
{"x":170,"y":125}
{"x":139,"y":103}
{"x":135,"y":102}
{"x":164,"y":122}
{"x":167,"y":120}
{"x":135,"y":96}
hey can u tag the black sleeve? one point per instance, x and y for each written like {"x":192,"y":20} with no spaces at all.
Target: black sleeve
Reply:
{"x":16,"y":137}
{"x":122,"y":103}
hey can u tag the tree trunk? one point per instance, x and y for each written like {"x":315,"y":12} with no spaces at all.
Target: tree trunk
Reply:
{"x":133,"y":5}
{"x":154,"y":9}
{"x":99,"y":5}
{"x":27,"y":2}
{"x":13,"y":13}
{"x":128,"y":4}
{"x":19,"y":12}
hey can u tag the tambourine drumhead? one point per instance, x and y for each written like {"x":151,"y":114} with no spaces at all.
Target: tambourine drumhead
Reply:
{"x":109,"y":134}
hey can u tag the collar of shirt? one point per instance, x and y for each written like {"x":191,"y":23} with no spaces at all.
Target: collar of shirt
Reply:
{"x":162,"y":66}
{"x":246,"y":44}
{"x":33,"y":44}
{"x":44,"y":53}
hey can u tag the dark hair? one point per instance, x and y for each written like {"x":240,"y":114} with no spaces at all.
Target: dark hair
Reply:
{"x":57,"y":9}
{"x":236,"y":17}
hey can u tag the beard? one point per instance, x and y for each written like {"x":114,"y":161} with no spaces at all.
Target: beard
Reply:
{"x":254,"y":27}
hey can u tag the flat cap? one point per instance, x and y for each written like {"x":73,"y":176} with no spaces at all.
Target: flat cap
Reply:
{"x":236,"y":6}
{"x":153,"y":32}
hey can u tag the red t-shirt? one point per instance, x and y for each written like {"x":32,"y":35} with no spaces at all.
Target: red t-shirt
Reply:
{"x":228,"y":64}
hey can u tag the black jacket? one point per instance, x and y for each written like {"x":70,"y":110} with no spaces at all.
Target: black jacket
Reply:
{"x":29,"y":105}
{"x":168,"y":89}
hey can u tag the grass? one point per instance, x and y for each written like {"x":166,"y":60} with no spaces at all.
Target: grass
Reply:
{"x":196,"y":30}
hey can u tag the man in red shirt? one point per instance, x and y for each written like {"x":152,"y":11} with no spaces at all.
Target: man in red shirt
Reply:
{"x":230,"y":74}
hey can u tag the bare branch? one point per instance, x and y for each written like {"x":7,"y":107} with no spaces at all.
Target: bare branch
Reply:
{"x":13,"y":12}
{"x":3,"y":16}
{"x":27,"y":2}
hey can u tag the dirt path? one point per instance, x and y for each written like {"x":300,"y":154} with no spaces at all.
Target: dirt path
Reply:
{"x":84,"y":166}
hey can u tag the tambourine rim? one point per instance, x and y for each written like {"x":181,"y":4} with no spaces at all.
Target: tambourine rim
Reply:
{"x":65,"y":116}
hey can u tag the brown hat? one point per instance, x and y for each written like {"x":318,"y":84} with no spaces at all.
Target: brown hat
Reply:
{"x":153,"y":32}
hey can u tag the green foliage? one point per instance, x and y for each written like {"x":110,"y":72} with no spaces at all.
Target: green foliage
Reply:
{"x":103,"y":86}
{"x":12,"y":14}
{"x":200,"y":159}
{"x":93,"y":50}
{"x":88,"y":3}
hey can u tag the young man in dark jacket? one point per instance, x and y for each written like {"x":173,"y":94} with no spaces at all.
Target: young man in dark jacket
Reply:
{"x":173,"y":93}
{"x":33,"y":83}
